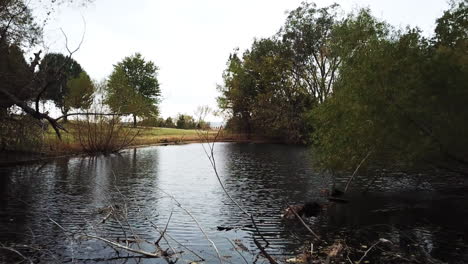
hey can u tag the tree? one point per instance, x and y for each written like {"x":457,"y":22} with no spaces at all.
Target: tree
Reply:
{"x":58,"y":89}
{"x":270,"y":88}
{"x":308,"y":32}
{"x":400,"y":98}
{"x":133,"y":88}
{"x":21,"y":82}
{"x":80,"y":94}
{"x":185,"y":122}
{"x":17,"y":24}
{"x":169,"y":123}
{"x":200,"y":114}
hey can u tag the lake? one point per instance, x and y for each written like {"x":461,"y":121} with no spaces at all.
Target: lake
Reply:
{"x":46,"y":208}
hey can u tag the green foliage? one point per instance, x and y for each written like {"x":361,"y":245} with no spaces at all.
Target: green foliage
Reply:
{"x":401,"y":98}
{"x":308,"y":32}
{"x":15,"y":76}
{"x":169,"y":123}
{"x":355,"y":88}
{"x":269,"y":90}
{"x":451,"y":27}
{"x":20,"y":133}
{"x":81,"y":91}
{"x":185,"y":122}
{"x":17,"y":25}
{"x":57,"y":70}
{"x":133,"y":87}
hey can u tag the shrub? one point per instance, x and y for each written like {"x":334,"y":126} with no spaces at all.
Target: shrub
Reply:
{"x":98,"y":134}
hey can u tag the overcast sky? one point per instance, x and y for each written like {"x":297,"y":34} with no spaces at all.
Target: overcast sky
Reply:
{"x":190,"y":40}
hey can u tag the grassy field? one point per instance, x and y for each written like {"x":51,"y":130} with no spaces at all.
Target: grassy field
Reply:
{"x":70,"y":142}
{"x":155,"y":135}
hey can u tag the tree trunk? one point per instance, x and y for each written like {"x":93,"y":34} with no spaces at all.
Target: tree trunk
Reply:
{"x":134,"y":121}
{"x":65,"y":117}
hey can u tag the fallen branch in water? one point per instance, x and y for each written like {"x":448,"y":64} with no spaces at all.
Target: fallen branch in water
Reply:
{"x":129,"y":249}
{"x":264,"y":253}
{"x":303,"y":223}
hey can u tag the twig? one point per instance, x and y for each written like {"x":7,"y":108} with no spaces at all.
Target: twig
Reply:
{"x":370,"y":248}
{"x":16,"y":252}
{"x":165,"y":229}
{"x":356,"y":170}
{"x":272,"y":260}
{"x":303,"y":223}
{"x":235,"y":248}
{"x":212,"y":160}
{"x":81,"y":42}
{"x":196,"y":222}
{"x":117,"y":245}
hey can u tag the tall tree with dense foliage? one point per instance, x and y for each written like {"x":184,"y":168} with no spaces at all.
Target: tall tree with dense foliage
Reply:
{"x":308,"y":32}
{"x":401,"y":100}
{"x":133,"y":88}
{"x":270,"y":88}
{"x":73,"y":88}
{"x":80,"y":93}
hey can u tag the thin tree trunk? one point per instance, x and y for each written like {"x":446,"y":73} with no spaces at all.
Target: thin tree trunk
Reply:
{"x":134,"y":121}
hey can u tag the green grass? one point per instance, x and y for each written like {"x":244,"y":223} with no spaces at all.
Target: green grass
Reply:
{"x":163,"y":131}
{"x":146,"y":136}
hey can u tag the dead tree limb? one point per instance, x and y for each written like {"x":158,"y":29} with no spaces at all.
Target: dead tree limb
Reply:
{"x":35,"y":114}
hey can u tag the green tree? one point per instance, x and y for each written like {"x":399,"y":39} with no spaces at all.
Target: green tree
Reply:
{"x":308,"y":32}
{"x":81,"y":91}
{"x":58,"y":69}
{"x":133,"y":88}
{"x":400,"y":98}
{"x":17,"y":24}
{"x":270,"y":88}
{"x":185,"y":122}
{"x":169,"y":123}
{"x":21,"y":83}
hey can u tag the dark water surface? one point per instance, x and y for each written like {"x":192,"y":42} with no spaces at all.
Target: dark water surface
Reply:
{"x":428,"y":210}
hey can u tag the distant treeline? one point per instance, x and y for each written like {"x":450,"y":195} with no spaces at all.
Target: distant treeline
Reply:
{"x":181,"y":122}
{"x":354,"y":87}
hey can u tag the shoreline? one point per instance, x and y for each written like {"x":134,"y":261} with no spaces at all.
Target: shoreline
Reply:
{"x":37,"y":157}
